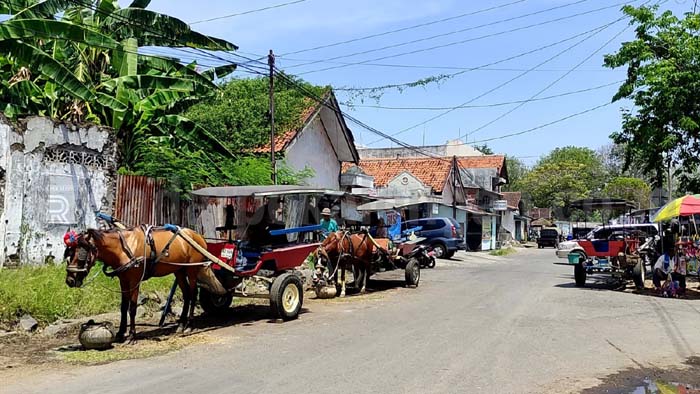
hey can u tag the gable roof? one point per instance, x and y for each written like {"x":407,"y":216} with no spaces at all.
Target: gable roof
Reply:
{"x":490,"y":161}
{"x":284,"y":139}
{"x":513,"y":199}
{"x":432,"y":172}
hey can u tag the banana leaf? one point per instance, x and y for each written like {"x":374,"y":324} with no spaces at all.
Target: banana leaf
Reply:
{"x":34,"y":58}
{"x":49,"y":29}
{"x":190,"y":130}
{"x":50,"y":8}
{"x":163,"y":30}
{"x":220,"y":72}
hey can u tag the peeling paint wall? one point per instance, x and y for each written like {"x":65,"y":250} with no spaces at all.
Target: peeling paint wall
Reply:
{"x":56,"y":175}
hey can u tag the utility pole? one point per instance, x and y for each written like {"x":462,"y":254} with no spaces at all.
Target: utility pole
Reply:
{"x":670,"y":182}
{"x":454,"y":187}
{"x":271,"y":63}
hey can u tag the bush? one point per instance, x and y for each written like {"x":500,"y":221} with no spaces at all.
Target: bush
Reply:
{"x":42,"y":292}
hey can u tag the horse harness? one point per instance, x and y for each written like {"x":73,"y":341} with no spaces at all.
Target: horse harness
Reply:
{"x":150,"y":262}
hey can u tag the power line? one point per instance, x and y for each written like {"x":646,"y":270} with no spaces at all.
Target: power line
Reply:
{"x":550,"y":85}
{"x":594,"y":33}
{"x":445,"y":34}
{"x":247,"y":12}
{"x":457,"y":42}
{"x":470,"y":69}
{"x":402,"y":29}
{"x":487,"y":105}
{"x":530,"y":130}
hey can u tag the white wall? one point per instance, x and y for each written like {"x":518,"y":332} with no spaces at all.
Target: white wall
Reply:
{"x":313,"y":149}
{"x":508,"y":222}
{"x":56,"y":176}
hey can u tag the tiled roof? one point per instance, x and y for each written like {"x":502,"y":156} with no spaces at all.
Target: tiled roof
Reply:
{"x":283,"y":139}
{"x":513,"y":198}
{"x":491,"y":161}
{"x":432,"y":172}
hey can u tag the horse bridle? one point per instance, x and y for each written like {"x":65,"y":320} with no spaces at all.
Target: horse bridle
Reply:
{"x":85,"y":250}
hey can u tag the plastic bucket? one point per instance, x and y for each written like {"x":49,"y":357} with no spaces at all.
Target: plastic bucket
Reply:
{"x":574,"y":258}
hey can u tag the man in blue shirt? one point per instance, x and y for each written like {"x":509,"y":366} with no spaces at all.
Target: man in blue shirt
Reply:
{"x":328,"y":224}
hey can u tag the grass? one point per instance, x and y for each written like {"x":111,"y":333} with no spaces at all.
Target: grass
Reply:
{"x":502,"y":252}
{"x":42,"y":292}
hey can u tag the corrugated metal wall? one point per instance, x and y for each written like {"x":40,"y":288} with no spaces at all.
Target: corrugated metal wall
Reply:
{"x":142,"y":200}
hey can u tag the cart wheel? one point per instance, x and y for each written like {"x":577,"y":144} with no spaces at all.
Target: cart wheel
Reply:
{"x":639,"y":275}
{"x":214,"y":304}
{"x":580,"y":273}
{"x":286,"y":296}
{"x":412,"y":272}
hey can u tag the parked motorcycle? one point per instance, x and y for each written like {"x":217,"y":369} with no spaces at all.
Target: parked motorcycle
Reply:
{"x":649,"y":252}
{"x":424,"y":254}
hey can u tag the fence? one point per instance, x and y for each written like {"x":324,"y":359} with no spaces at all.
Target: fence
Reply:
{"x":141,"y":199}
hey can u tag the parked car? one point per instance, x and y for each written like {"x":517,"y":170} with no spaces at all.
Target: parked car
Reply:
{"x":444,"y":235}
{"x":605,"y":232}
{"x":549,"y":236}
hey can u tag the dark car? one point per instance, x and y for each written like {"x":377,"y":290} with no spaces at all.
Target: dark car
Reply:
{"x":548,"y":237}
{"x":444,"y":235}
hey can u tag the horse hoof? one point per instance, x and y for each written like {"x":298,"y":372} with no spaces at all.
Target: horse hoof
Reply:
{"x":131,"y":340}
{"x":119,"y":338}
{"x":180,"y":329}
{"x":187,"y":331}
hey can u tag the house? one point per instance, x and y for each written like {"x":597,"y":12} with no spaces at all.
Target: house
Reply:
{"x":322,"y":143}
{"x":466,"y":193}
{"x":515,"y":219}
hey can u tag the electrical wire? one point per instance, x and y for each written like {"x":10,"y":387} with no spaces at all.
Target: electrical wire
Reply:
{"x":470,"y":28}
{"x":558,"y":54}
{"x":247,"y":12}
{"x":498,"y":7}
{"x":460,"y":42}
{"x":550,"y":85}
{"x":491,"y":105}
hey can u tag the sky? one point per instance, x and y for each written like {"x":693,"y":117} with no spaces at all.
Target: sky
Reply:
{"x":571,"y":60}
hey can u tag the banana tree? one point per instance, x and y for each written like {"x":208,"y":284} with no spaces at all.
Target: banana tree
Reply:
{"x":81,"y":60}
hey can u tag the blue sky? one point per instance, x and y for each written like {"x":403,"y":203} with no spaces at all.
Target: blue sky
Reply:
{"x":319,"y":22}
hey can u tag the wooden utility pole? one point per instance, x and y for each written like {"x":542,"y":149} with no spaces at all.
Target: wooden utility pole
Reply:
{"x":454,"y":187}
{"x":271,"y":63}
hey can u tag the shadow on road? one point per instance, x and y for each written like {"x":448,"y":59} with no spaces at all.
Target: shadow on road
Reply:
{"x":605,"y":283}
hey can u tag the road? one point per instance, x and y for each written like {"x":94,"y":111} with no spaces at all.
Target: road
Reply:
{"x":484,"y":324}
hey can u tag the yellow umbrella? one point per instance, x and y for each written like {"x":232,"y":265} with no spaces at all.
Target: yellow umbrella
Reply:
{"x":683,"y":206}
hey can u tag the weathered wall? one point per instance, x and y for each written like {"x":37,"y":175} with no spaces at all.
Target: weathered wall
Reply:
{"x":404,"y":185}
{"x":314,"y":149}
{"x":56,"y":176}
{"x":452,"y":148}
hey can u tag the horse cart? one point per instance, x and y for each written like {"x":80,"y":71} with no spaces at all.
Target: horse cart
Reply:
{"x":620,"y":254}
{"x":262,"y":247}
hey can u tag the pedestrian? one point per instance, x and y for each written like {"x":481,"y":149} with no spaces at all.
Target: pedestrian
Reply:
{"x":328,"y":224}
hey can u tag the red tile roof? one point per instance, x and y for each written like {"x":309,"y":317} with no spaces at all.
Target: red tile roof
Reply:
{"x":513,"y":198}
{"x":432,"y":172}
{"x":283,"y":139}
{"x":491,"y":161}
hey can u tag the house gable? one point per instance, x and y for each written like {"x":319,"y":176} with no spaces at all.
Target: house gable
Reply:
{"x":405,"y":184}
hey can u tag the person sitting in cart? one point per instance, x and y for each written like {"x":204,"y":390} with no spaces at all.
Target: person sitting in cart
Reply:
{"x":328,"y":224}
{"x":668,"y":264}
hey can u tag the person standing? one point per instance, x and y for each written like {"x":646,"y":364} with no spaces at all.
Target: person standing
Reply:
{"x":328,"y":224}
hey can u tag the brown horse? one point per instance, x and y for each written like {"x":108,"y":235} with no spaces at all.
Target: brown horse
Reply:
{"x":126,"y":252}
{"x":356,"y":250}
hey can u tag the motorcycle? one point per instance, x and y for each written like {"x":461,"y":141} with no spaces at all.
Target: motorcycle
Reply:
{"x":424,"y":254}
{"x":649,"y":252}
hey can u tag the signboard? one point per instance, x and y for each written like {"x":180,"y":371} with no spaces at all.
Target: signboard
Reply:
{"x":436,"y":209}
{"x":500,"y":205}
{"x":486,"y":233}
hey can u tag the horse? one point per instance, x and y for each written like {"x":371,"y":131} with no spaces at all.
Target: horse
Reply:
{"x":130,"y":255}
{"x":351,"y":250}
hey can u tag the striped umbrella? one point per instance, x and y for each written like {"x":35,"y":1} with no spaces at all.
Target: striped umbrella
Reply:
{"x":684,"y":206}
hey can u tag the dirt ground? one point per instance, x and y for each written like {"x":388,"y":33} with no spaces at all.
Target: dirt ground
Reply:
{"x":652,"y":380}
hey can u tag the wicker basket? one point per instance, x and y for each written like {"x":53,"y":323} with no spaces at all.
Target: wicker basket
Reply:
{"x":97,"y":336}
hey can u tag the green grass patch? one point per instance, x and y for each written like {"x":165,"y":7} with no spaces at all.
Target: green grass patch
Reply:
{"x":42,"y":292}
{"x":502,"y":252}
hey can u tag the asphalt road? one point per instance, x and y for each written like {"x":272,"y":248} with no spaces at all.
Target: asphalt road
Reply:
{"x":484,"y":324}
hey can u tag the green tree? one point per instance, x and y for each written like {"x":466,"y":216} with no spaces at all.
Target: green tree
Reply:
{"x":485,"y":149}
{"x":517,"y":170}
{"x":630,"y":189}
{"x":564,"y":175}
{"x":663,"y":81}
{"x":80,"y":60}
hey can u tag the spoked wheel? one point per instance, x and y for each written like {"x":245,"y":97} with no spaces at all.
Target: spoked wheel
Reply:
{"x":431,"y":264}
{"x":214,"y":304}
{"x":412,"y":272}
{"x":286,"y":296}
